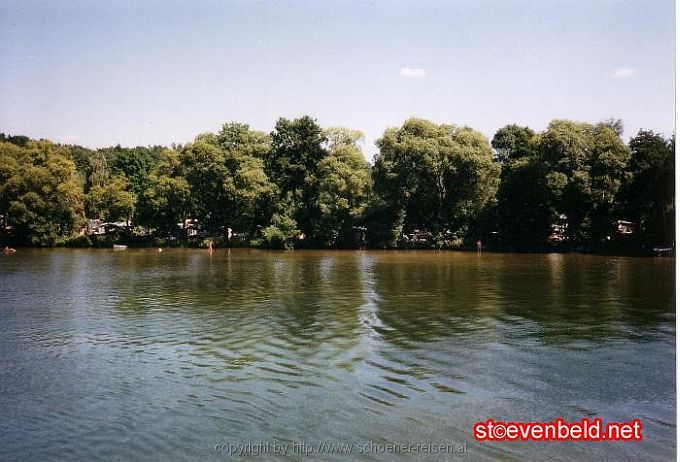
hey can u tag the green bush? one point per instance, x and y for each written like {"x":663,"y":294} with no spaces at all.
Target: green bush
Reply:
{"x":103,"y":241}
{"x":74,"y":241}
{"x":282,"y":233}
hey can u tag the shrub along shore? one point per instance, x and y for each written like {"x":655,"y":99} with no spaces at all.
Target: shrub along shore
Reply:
{"x":573,"y":186}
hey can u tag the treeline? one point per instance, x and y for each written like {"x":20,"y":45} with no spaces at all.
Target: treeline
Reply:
{"x":430,"y":186}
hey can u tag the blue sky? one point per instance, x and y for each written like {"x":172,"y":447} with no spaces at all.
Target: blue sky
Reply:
{"x":149,"y":72}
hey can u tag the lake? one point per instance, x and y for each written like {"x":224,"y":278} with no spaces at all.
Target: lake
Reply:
{"x":147,"y":355}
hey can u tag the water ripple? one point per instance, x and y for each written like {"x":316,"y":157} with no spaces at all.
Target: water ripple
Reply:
{"x":141,"y":354}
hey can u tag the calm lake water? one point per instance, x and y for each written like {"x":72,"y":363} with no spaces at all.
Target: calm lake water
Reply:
{"x":141,"y":355}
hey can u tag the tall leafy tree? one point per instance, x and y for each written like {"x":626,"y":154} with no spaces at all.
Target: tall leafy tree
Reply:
{"x":302,"y":180}
{"x":648,"y":195}
{"x":585,"y":167}
{"x":167,"y":200}
{"x":40,"y":191}
{"x":112,"y":201}
{"x":297,"y":149}
{"x":98,"y":173}
{"x":136,"y":164}
{"x":250,"y":193}
{"x":343,"y":195}
{"x":206,"y":174}
{"x":512,"y":142}
{"x":239,"y":139}
{"x":435,"y":177}
{"x":524,"y":205}
{"x":524,"y":208}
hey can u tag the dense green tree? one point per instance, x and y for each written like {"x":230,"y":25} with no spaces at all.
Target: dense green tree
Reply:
{"x":225,"y":174}
{"x":167,"y":200}
{"x":283,"y":232}
{"x":250,"y":193}
{"x":297,"y":149}
{"x":303,"y":185}
{"x":18,"y":140}
{"x":98,"y":173}
{"x":614,"y":124}
{"x":239,"y":139}
{"x":81,"y":156}
{"x":135,"y":164}
{"x":40,"y":191}
{"x":206,"y":174}
{"x":12,"y":160}
{"x":525,"y":210}
{"x":512,"y":142}
{"x":647,"y":197}
{"x":437,"y":177}
{"x":384,"y":223}
{"x":252,"y":196}
{"x":343,"y":194}
{"x":112,"y":201}
{"x":585,"y":167}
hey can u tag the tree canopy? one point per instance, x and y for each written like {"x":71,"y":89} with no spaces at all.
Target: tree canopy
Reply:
{"x":435,"y":177}
{"x":303,"y":185}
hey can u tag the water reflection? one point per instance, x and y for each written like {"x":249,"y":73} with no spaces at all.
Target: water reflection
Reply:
{"x":176,"y":351}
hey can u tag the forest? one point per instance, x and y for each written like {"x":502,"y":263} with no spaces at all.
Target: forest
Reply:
{"x":574,"y":186}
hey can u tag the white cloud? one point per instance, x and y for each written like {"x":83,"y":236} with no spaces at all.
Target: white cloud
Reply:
{"x":413,"y":72}
{"x":623,"y":72}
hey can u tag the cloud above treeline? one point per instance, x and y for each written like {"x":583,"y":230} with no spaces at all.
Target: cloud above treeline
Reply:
{"x":413,"y":72}
{"x":624,"y":72}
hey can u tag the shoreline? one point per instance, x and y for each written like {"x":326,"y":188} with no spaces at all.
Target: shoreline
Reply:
{"x":159,"y":249}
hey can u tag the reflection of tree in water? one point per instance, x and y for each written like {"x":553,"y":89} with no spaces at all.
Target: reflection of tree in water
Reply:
{"x":496,"y":297}
{"x":584,"y":297}
{"x":242,"y":309}
{"x":316,"y":297}
{"x":649,"y":290}
{"x":310,"y":300}
{"x":423,"y":296}
{"x":54,"y":282}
